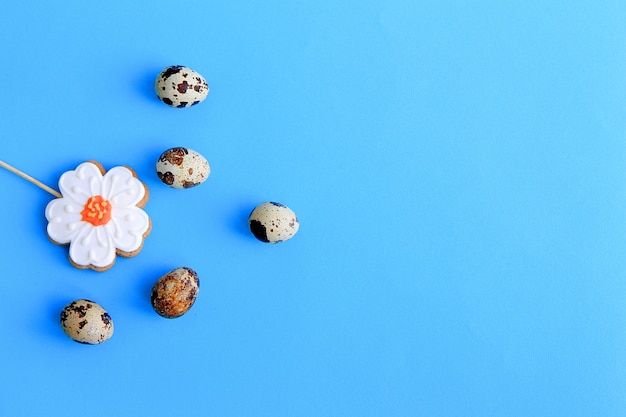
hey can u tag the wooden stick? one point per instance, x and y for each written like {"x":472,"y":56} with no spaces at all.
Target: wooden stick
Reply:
{"x":30,"y":179}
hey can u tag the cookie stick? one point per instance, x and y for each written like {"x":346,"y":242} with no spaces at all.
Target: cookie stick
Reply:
{"x":30,"y":179}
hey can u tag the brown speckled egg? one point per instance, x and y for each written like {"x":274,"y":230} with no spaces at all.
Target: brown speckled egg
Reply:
{"x":175,"y":292}
{"x":179,"y":86}
{"x":273,"y":222}
{"x":86,"y":322}
{"x":182,"y":168}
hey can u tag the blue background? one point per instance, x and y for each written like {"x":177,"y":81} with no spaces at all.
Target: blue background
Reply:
{"x":457,"y":168}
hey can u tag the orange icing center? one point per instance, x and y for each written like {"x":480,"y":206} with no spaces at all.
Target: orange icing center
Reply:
{"x":97,"y":211}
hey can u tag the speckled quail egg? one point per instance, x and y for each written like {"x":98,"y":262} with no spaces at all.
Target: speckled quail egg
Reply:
{"x":179,"y":86}
{"x":273,"y":222}
{"x":86,"y":322}
{"x":175,"y":292}
{"x":182,"y":168}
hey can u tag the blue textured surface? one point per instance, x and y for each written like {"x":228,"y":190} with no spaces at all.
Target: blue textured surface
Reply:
{"x":457,"y":168}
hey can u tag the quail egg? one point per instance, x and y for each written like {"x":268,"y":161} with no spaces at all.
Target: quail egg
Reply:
{"x":273,"y":222}
{"x":179,"y":86}
{"x":86,"y":322}
{"x":175,"y":292}
{"x":182,"y":168}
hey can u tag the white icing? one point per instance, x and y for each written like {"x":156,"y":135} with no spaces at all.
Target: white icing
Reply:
{"x":97,"y":245}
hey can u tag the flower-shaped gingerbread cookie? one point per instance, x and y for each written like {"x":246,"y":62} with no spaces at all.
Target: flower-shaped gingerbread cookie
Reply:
{"x":99,"y":215}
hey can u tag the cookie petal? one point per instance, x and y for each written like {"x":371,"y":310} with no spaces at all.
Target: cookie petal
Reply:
{"x":128,"y":227}
{"x":92,"y":247}
{"x":122,"y":188}
{"x":82,"y":183}
{"x":64,"y":220}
